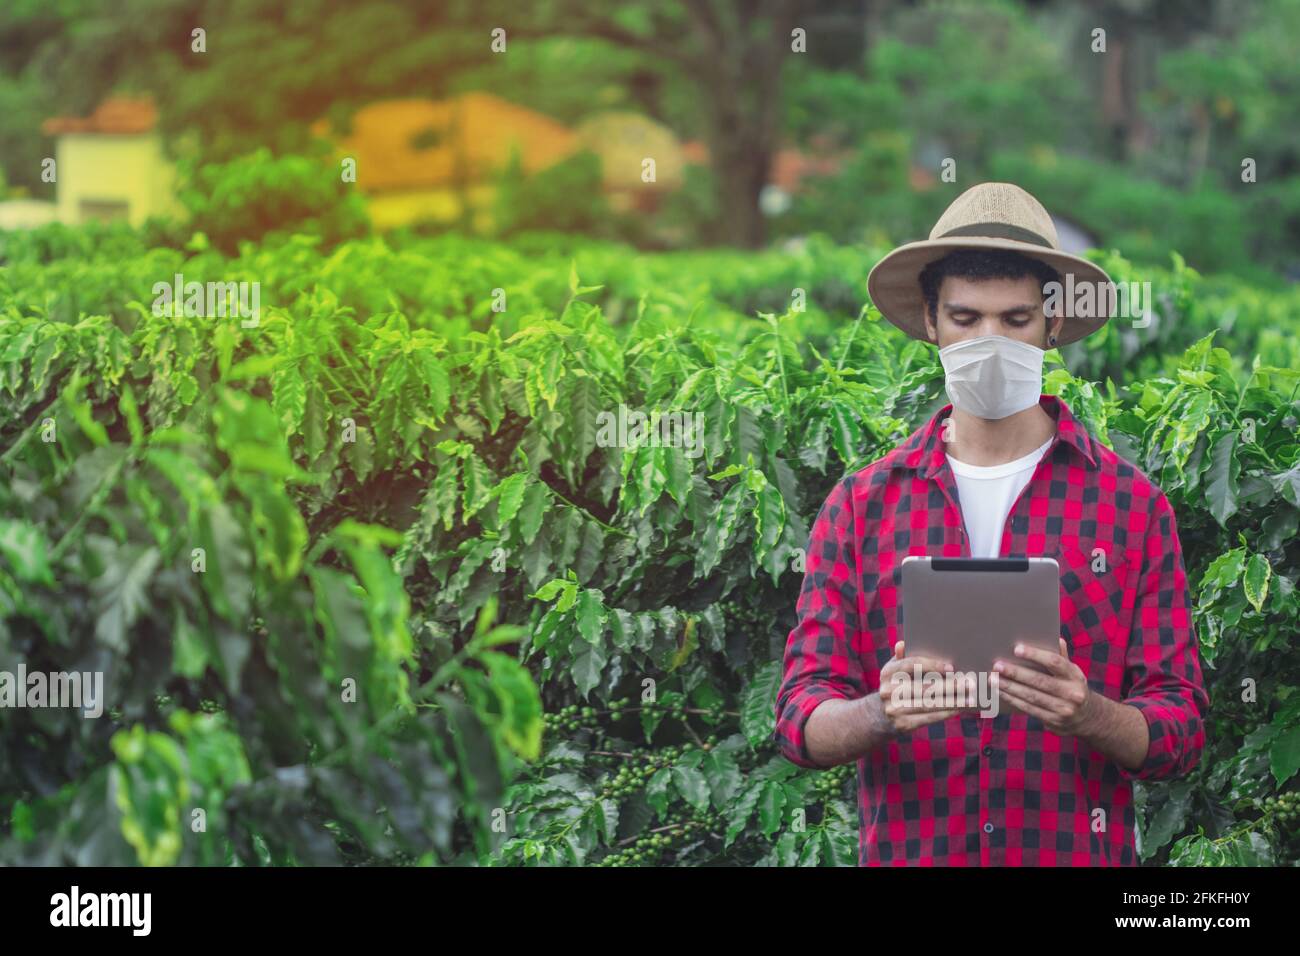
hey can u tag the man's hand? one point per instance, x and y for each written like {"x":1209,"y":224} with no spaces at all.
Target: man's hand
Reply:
{"x":1060,"y":698}
{"x":840,"y":730}
{"x":896,"y":685}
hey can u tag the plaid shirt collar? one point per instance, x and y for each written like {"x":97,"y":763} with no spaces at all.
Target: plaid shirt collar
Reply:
{"x":924,"y":449}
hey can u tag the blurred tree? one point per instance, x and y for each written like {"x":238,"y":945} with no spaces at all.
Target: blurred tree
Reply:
{"x":732,"y":53}
{"x":28,"y":29}
{"x":978,"y":76}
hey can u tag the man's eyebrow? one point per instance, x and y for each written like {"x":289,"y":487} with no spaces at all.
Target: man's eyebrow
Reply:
{"x":958,"y":307}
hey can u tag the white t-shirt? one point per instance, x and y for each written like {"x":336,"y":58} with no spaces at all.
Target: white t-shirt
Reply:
{"x":987,"y":493}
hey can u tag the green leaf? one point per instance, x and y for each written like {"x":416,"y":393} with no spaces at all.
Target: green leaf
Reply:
{"x":771,"y":805}
{"x":787,"y":849}
{"x":692,"y":785}
{"x":591,"y":615}
{"x":739,"y":814}
{"x":531,"y":511}
{"x":1168,"y":820}
{"x":361,"y":453}
{"x":1196,"y":851}
{"x":690,"y":642}
{"x":651,"y":718}
{"x":121,"y":592}
{"x":189,"y":649}
{"x":657,"y":790}
{"x":1221,"y":492}
{"x":769,"y":517}
{"x":568,"y":598}
{"x":510,"y":495}
{"x":588,"y":666}
{"x":758,"y":705}
{"x":551,"y":588}
{"x":845,"y":432}
{"x":227,"y":580}
{"x":478,"y":485}
{"x":1194,"y":419}
{"x":723,"y":774}
{"x":577,"y":290}
{"x":1287,"y":484}
{"x":811,"y":853}
{"x":719,"y":530}
{"x":582,"y":410}
{"x":282,"y":533}
{"x":1255,"y":580}
{"x":651,"y":475}
{"x":622,"y":628}
{"x":679,"y":474}
{"x":315,"y":422}
{"x":1284,"y":755}
{"x":81,"y":411}
{"x":131,"y":412}
{"x":24,"y":546}
{"x":444,"y":493}
{"x":1225,"y":570}
{"x":607,"y":811}
{"x":591,"y":550}
{"x":436,"y":379}
{"x":288,"y":395}
{"x":521,"y":704}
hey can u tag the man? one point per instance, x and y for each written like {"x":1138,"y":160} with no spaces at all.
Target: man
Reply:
{"x":1002,"y":471}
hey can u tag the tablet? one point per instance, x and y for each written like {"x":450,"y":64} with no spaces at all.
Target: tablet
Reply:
{"x":972,"y":611}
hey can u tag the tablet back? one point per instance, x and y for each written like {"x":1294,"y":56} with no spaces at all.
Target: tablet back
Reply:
{"x":973,"y":610}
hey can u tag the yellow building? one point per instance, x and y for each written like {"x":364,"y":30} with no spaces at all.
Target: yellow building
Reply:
{"x":111,"y":164}
{"x":425,"y":159}
{"x":437,"y":160}
{"x":416,"y":159}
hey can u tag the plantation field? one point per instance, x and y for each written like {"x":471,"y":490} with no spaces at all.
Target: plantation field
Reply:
{"x":368,"y":583}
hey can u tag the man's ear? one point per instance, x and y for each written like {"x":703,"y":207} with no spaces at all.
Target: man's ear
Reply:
{"x":1054,"y":326}
{"x":931,"y":325}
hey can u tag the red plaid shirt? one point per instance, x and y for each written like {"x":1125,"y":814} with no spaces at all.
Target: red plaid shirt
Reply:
{"x":1001,"y":790}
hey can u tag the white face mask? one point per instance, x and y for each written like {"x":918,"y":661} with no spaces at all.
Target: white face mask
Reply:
{"x":992,"y":376}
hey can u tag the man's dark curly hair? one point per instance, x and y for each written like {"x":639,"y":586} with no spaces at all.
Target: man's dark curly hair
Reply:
{"x":981,"y":264}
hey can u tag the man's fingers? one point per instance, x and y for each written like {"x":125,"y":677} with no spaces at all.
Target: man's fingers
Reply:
{"x":932,"y":716}
{"x":900,"y":684}
{"x":910,"y":710}
{"x":1027,"y":675}
{"x":1029,"y":710}
{"x":1054,"y":662}
{"x":910,"y":722}
{"x":928,"y":664}
{"x":1031,"y":701}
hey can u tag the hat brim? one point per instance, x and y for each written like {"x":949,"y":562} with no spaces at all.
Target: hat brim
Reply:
{"x":895,"y":289}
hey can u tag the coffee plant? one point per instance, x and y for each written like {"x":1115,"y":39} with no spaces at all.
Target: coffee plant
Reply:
{"x":376,"y":580}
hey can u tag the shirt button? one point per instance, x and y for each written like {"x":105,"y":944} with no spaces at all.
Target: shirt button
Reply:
{"x":988,"y":751}
{"x":988,"y":828}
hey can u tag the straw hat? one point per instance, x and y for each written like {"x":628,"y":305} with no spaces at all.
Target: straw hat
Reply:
{"x":987,"y":216}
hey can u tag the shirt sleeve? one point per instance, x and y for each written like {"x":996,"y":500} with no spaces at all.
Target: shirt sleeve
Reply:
{"x":1163,"y":667}
{"x":822,"y":660}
